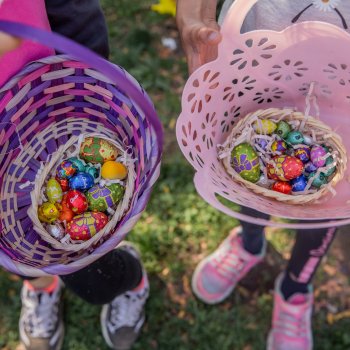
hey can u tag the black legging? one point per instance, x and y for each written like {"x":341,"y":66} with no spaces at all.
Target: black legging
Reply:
{"x":309,"y":248}
{"x":100,"y":282}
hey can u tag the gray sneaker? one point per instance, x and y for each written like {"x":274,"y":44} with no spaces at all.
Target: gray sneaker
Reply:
{"x":41,"y":324}
{"x":123,"y":318}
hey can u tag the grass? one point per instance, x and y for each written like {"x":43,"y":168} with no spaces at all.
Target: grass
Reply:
{"x":177,"y":230}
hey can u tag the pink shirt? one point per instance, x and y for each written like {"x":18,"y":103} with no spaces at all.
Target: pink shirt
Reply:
{"x":31,"y":12}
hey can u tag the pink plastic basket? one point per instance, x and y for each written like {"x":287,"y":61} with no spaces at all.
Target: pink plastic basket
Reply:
{"x":48,"y":103}
{"x":257,"y":70}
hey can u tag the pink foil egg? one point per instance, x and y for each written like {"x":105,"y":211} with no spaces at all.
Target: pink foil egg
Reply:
{"x":84,"y":226}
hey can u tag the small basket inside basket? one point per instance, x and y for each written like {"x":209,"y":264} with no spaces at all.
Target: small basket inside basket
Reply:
{"x":71,"y":149}
{"x":318,"y":133}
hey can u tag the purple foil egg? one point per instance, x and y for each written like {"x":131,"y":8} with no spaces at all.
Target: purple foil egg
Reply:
{"x":317,"y":156}
{"x":303,"y":153}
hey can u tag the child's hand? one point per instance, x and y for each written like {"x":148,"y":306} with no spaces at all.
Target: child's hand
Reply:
{"x":199,"y":31}
{"x":8,"y":43}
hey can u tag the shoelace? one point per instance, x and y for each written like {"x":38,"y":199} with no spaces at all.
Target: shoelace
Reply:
{"x":292,"y":325}
{"x":228,"y":263}
{"x":40,"y":313}
{"x":125,"y":311}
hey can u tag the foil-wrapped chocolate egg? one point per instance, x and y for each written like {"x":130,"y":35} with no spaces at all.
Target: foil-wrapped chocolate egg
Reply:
{"x":283,"y":129}
{"x":303,"y":153}
{"x":114,"y":171}
{"x":64,"y":183}
{"x":310,"y":167}
{"x":76,"y":201}
{"x":54,"y":191}
{"x":84,"y":226}
{"x":66,"y":170}
{"x":81,"y":182}
{"x":295,"y":138}
{"x":299,"y":184}
{"x":95,"y":150}
{"x":262,"y":143}
{"x":101,"y":198}
{"x":66,"y":214}
{"x":282,"y":187}
{"x":56,"y":231}
{"x":284,"y":168}
{"x":80,"y":164}
{"x":245,"y":162}
{"x":94,"y":172}
{"x":330,"y":161}
{"x":264,"y":126}
{"x":318,"y":156}
{"x":48,"y":212}
{"x":279,"y":146}
{"x":318,"y":180}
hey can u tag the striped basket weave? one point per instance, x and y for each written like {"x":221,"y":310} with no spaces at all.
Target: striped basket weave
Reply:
{"x":48,"y":103}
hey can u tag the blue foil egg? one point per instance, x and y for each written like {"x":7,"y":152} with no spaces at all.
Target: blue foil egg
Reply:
{"x":310,"y":167}
{"x":295,"y":138}
{"x":303,"y":153}
{"x":81,"y":182}
{"x":299,"y":184}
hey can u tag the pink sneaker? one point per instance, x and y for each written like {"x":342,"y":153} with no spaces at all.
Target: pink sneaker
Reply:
{"x":291,"y":323}
{"x":217,"y":275}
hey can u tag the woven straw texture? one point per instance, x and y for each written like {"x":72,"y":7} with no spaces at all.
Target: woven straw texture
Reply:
{"x":259,"y":70}
{"x":43,"y":109}
{"x":320,"y":129}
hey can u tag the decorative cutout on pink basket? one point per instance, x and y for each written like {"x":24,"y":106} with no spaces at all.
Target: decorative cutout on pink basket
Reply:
{"x":239,"y":87}
{"x":288,"y":70}
{"x":262,"y":49}
{"x":268,"y":95}
{"x":339,"y":72}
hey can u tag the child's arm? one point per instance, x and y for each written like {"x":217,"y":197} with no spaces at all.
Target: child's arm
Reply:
{"x":199,"y":31}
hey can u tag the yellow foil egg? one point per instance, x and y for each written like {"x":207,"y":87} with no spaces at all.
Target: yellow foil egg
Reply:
{"x":48,"y":212}
{"x":264,"y":126}
{"x":114,"y":171}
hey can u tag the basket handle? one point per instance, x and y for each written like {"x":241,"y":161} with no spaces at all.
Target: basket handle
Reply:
{"x":95,"y":61}
{"x":206,"y":191}
{"x":235,"y":17}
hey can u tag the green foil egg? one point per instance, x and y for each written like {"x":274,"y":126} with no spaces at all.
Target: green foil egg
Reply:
{"x":245,"y":162}
{"x":264,"y":126}
{"x":283,"y":129}
{"x":319,"y":180}
{"x":295,"y":138}
{"x":331,"y":171}
{"x":100,"y":198}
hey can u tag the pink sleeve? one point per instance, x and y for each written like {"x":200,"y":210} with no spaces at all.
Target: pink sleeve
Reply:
{"x":31,"y":12}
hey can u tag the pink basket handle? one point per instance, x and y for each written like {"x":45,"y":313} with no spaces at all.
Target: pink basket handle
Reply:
{"x":206,"y":191}
{"x":95,"y":61}
{"x":235,"y":17}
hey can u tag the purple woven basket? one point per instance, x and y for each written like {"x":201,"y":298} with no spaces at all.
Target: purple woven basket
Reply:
{"x":41,"y":108}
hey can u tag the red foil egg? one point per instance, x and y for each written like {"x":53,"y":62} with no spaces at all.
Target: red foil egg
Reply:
{"x":76,"y":201}
{"x":64,"y":183}
{"x":282,"y":187}
{"x":84,"y":226}
{"x":285,"y":168}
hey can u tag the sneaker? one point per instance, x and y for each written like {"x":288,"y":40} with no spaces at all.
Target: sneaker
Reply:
{"x":217,"y":275}
{"x":123,"y":318}
{"x":41,"y":323}
{"x":291,"y":322}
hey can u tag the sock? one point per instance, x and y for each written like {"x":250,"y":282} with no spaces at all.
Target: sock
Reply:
{"x":253,"y":241}
{"x":48,"y":289}
{"x":290,"y":287}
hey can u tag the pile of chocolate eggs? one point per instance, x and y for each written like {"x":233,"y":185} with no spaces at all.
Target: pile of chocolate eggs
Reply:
{"x":84,"y":191}
{"x":283,"y":159}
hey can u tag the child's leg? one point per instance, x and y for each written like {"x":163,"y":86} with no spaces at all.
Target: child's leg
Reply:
{"x":252,"y":235}
{"x":103,"y":280}
{"x":309,"y":248}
